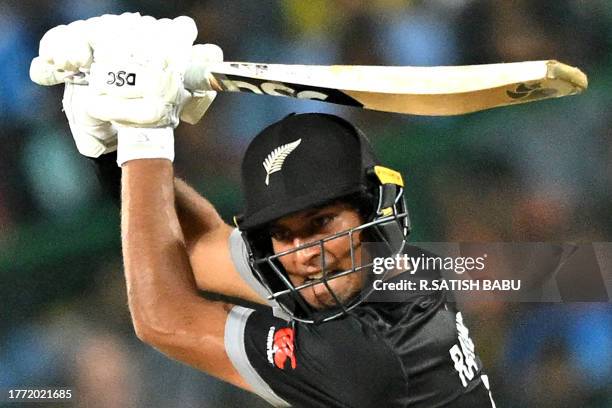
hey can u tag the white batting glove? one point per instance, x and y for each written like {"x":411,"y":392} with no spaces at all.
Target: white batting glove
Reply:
{"x":137,"y":76}
{"x":199,"y":102}
{"x":138,"y":70}
{"x":148,"y":96}
{"x":140,"y":143}
{"x":93,"y":137}
{"x":66,"y":47}
{"x":64,"y":50}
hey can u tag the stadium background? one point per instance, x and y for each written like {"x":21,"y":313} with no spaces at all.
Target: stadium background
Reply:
{"x":537,"y":172}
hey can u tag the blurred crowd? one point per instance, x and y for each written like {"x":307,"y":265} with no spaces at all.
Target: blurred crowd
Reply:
{"x":535,"y":172}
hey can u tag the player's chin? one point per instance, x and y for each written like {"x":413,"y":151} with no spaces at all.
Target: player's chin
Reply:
{"x":319,"y":297}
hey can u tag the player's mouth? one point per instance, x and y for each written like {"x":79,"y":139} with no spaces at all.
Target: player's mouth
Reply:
{"x":313,"y":277}
{"x":318,"y":276}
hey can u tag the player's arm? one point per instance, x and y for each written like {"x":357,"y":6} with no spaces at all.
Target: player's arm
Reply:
{"x":207,"y":240}
{"x":166,"y":310}
{"x":69,"y":48}
{"x":206,"y":234}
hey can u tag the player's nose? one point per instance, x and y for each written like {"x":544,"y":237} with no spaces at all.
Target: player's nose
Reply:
{"x":308,"y":258}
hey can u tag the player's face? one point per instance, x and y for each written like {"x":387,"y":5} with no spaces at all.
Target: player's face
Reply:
{"x":304,"y":265}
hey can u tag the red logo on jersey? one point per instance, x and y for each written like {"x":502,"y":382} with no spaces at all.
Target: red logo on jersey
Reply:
{"x":283,"y":348}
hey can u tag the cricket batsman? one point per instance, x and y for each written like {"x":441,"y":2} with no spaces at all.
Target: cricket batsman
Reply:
{"x":315,"y":194}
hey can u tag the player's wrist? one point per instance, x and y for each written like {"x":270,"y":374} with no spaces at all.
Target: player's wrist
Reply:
{"x":145,"y":143}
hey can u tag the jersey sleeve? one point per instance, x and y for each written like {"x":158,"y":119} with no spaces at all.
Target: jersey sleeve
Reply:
{"x":235,"y":346}
{"x":341,"y":363}
{"x":240,"y":258}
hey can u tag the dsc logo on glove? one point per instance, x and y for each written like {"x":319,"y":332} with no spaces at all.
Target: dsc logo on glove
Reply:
{"x":121,"y":78}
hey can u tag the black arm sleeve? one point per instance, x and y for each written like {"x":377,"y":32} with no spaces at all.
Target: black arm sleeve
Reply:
{"x":109,"y":175}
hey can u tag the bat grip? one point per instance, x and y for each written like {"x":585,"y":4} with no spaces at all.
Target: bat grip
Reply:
{"x":197,"y":76}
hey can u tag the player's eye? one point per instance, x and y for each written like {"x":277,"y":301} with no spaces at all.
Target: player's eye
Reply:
{"x":322,"y":221}
{"x":281,"y":235}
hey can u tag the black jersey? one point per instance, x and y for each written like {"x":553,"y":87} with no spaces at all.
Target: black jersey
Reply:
{"x":383,"y":355}
{"x":404,"y":354}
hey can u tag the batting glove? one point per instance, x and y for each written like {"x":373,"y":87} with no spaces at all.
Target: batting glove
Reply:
{"x":65,"y":51}
{"x":202,"y":55}
{"x":93,"y":137}
{"x":137,"y":77}
{"x":150,"y":95}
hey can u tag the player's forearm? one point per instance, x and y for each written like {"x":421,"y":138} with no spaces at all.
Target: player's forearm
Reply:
{"x":198,"y":231}
{"x":159,"y":278}
{"x":196,"y":215}
{"x":166,"y":310}
{"x":207,"y":243}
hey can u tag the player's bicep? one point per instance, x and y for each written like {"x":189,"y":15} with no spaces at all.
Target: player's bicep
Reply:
{"x":237,"y":345}
{"x":219,"y":266}
{"x":198,"y":339}
{"x":215,"y":342}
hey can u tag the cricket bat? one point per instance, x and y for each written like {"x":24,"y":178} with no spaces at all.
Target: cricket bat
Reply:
{"x":431,"y":91}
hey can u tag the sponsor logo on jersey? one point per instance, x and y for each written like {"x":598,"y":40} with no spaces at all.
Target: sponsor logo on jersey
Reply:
{"x":280,"y":347}
{"x":463,"y":354}
{"x":270,"y":345}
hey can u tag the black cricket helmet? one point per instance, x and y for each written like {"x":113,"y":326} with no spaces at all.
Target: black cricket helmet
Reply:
{"x":306,"y":161}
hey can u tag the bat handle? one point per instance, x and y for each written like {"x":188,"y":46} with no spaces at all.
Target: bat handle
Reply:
{"x":197,"y":76}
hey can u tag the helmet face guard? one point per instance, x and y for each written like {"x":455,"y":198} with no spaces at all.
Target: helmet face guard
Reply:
{"x":389,"y":224}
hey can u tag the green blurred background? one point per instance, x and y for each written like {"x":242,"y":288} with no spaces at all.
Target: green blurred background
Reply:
{"x":536,"y":172}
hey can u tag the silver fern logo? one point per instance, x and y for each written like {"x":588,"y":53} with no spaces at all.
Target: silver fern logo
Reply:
{"x":276,"y":158}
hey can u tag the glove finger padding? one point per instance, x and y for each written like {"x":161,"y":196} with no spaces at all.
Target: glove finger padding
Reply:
{"x":66,"y":51}
{"x":139,"y":82}
{"x":66,"y":47}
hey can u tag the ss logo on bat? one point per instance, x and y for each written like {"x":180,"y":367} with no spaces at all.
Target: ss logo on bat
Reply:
{"x":273,"y":88}
{"x":121,"y":78}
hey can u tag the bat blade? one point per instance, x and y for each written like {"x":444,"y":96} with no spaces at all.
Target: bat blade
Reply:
{"x":434,"y":91}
